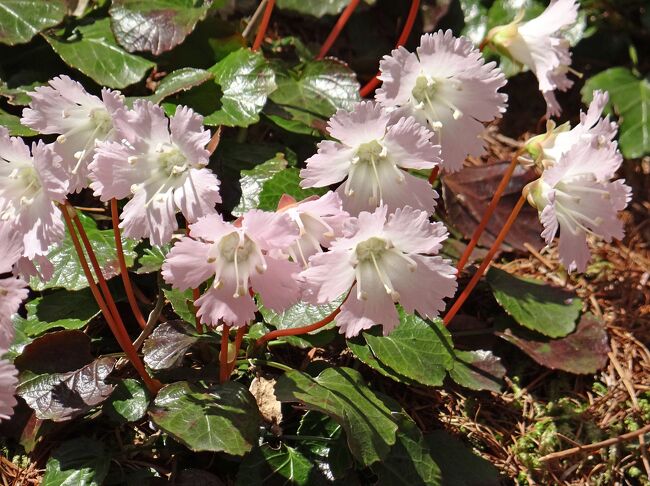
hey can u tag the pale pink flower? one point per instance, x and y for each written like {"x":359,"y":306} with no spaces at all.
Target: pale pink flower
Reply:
{"x":64,"y":107}
{"x":8,"y":383}
{"x":11,"y":246}
{"x":550,"y":146}
{"x":319,"y":221}
{"x":161,"y":163}
{"x":577,"y":197}
{"x":12,"y":293}
{"x":447,"y":86}
{"x":241,"y":258}
{"x":374,"y":154}
{"x":31,"y":186}
{"x":540,"y":45}
{"x":382,"y":261}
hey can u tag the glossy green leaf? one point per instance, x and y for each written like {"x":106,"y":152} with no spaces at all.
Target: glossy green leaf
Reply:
{"x":67,"y":270}
{"x":317,"y":8}
{"x":92,"y":49}
{"x":152,"y":259}
{"x":549,"y":310}
{"x":167,"y":345}
{"x":475,"y":17}
{"x":222,"y":418}
{"x":416,"y":349}
{"x":245,"y":79}
{"x":342,"y":394}
{"x":182,"y":302}
{"x":363,"y":353}
{"x":155,"y":25}
{"x":281,"y":466}
{"x":12,"y":123}
{"x":76,"y":462}
{"x":478,"y":370}
{"x":20,"y":20}
{"x":253,"y":180}
{"x":630,"y":97}
{"x":285,"y":182}
{"x":179,"y":81}
{"x":128,"y":402}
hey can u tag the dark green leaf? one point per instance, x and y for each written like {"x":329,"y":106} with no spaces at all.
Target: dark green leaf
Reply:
{"x":220,"y":418}
{"x":178,"y":81}
{"x":246,"y":80}
{"x":362,"y":352}
{"x":253,"y":180}
{"x":63,"y":396}
{"x":478,"y":370}
{"x":582,"y":352}
{"x":77,"y":462}
{"x":67,"y":270}
{"x":549,"y":310}
{"x":12,"y":123}
{"x":43,"y":354}
{"x":155,"y":25}
{"x":128,"y":402}
{"x":416,"y":349}
{"x":168,"y":344}
{"x":341,"y":393}
{"x":266,"y":466}
{"x":20,"y":20}
{"x":92,"y":50}
{"x":458,"y":464}
{"x":285,"y":182}
{"x":630,"y":97}
{"x":317,"y":8}
{"x":182,"y":303}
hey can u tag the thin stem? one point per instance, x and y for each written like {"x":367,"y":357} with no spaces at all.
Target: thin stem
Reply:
{"x":488,"y":212}
{"x":406,"y":31}
{"x":261,"y":32}
{"x":486,"y":262}
{"x":343,"y":19}
{"x":124,"y":272}
{"x":272,"y":364}
{"x":239,"y":337}
{"x":254,"y":18}
{"x":434,"y":174}
{"x":295,"y":331}
{"x":152,"y":385}
{"x":224,"y":368}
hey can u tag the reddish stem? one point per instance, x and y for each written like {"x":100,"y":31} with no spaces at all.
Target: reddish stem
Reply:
{"x":264,"y":24}
{"x":224,"y":368}
{"x":152,"y":385}
{"x":488,"y":212}
{"x":434,"y":174}
{"x":239,"y":337}
{"x":124,"y":272}
{"x":406,"y":31}
{"x":343,"y":19}
{"x":486,"y":262}
{"x":295,"y":331}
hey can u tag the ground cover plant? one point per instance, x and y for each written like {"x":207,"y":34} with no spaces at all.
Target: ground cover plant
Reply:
{"x":308,"y":242}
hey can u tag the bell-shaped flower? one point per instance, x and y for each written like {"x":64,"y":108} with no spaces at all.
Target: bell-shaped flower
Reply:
{"x":549,"y":147}
{"x":577,"y":197}
{"x":81,"y":120}
{"x":373,"y":154}
{"x":540,"y":45}
{"x":382,"y":261}
{"x":8,"y":383}
{"x":31,"y":184}
{"x":319,"y":221}
{"x":12,"y":290}
{"x":161,"y":163}
{"x":241,"y":258}
{"x":447,"y":86}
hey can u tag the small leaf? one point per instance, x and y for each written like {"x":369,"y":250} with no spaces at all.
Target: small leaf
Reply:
{"x":23,"y":19}
{"x":582,"y":352}
{"x":222,"y":418}
{"x":179,"y":81}
{"x":68,"y":273}
{"x":285,"y":182}
{"x":284,"y":466}
{"x":92,"y":50}
{"x":17,"y":92}
{"x":416,"y":349}
{"x":630,"y":97}
{"x":246,"y":80}
{"x":317,"y":8}
{"x":129,"y":401}
{"x":478,"y":370}
{"x":153,"y":259}
{"x":155,"y":25}
{"x":549,"y":310}
{"x":253,"y":180}
{"x":63,"y":396}
{"x":80,"y":461}
{"x":12,"y":123}
{"x":341,"y":393}
{"x":182,"y":302}
{"x":167,"y":345}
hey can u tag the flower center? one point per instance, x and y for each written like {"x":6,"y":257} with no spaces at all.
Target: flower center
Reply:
{"x":432,"y":96}
{"x":369,"y":255}
{"x":172,"y":160}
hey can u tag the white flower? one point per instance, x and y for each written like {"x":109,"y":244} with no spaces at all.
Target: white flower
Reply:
{"x":447,"y":86}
